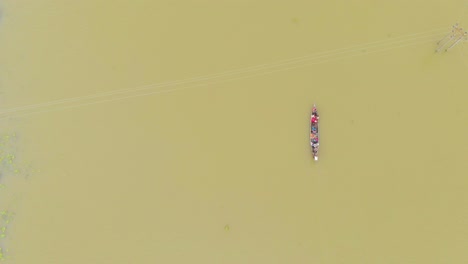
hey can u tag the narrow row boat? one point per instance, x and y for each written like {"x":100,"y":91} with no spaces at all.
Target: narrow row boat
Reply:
{"x":314,"y":132}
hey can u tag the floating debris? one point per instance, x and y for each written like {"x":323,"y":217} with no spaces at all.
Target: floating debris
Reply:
{"x":455,"y":37}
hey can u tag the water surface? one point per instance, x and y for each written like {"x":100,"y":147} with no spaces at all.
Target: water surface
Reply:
{"x":205,"y":157}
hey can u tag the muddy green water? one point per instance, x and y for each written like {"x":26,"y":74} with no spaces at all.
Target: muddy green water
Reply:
{"x":177,"y":131}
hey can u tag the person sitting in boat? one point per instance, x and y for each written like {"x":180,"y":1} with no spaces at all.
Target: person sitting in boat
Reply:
{"x":314,"y":111}
{"x":314,"y":119}
{"x":314,"y":130}
{"x":315,"y":140}
{"x":312,"y":138}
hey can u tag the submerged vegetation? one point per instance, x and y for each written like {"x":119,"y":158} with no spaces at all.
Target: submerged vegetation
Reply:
{"x":5,"y":218}
{"x":8,"y":170}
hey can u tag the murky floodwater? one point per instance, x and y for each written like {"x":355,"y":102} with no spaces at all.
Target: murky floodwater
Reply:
{"x":162,"y":132}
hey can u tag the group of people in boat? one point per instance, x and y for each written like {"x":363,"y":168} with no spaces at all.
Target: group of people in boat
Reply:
{"x":314,"y":140}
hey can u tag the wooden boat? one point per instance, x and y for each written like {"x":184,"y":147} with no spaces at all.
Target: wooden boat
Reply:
{"x":314,"y":132}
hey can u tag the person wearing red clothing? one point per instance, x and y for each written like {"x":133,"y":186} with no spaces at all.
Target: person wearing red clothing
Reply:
{"x":314,"y":119}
